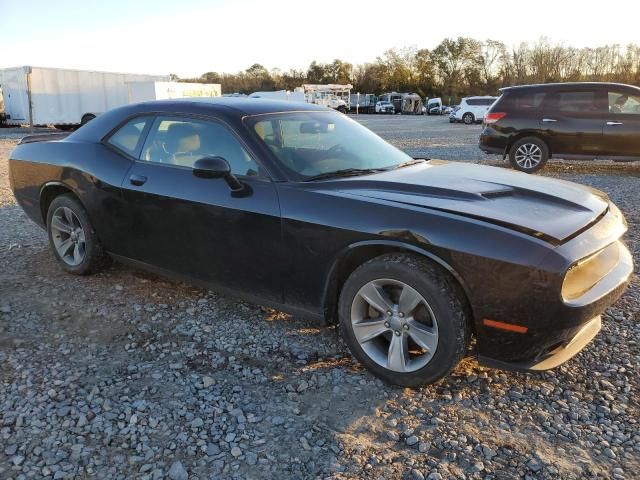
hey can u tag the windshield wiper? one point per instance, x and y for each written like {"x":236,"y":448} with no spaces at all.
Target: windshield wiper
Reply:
{"x":413,"y":161}
{"x":346,"y":172}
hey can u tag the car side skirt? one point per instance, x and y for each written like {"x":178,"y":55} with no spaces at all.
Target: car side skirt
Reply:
{"x":283,"y":307}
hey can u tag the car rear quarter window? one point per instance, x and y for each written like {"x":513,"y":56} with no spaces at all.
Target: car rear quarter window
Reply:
{"x":128,"y":138}
{"x":528,"y":101}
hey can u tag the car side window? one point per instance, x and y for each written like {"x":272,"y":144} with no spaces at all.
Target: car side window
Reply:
{"x":624,"y":103}
{"x":582,"y":101}
{"x":181,"y":141}
{"x":128,"y":138}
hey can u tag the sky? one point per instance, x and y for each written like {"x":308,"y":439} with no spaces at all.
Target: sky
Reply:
{"x":190,"y":37}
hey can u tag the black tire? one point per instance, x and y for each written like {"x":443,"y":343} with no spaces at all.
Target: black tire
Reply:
{"x":94,"y":257}
{"x":443,"y":295}
{"x":342,"y":109}
{"x":468,"y":118}
{"x":534,"y":145}
{"x":87,"y":118}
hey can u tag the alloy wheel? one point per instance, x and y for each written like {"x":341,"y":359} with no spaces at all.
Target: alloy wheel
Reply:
{"x":394,"y":325}
{"x":528,"y":156}
{"x":68,"y":236}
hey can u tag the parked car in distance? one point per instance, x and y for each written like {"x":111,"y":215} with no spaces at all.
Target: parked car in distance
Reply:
{"x":385,"y":107}
{"x":472,"y":109}
{"x":301,"y":208}
{"x":452,"y":113}
{"x":434,"y":106}
{"x":533,"y":123}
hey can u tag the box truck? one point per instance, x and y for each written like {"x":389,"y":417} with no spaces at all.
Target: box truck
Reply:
{"x":61,"y":97}
{"x":145,"y":91}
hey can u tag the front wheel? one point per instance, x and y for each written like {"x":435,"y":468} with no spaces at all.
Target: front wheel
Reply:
{"x":468,"y":118}
{"x":71,"y":237}
{"x":529,"y":154}
{"x":404,"y":319}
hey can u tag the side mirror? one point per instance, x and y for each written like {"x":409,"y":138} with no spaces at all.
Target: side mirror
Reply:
{"x":218,"y":167}
{"x":211,"y":167}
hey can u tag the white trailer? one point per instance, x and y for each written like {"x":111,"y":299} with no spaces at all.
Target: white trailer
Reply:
{"x":281,"y":95}
{"x":145,"y":91}
{"x":55,"y":96}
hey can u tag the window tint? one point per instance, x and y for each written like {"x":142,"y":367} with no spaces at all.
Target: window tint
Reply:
{"x":578,"y":101}
{"x":472,"y":101}
{"x":180,"y":141}
{"x":624,"y":103}
{"x":129,"y":137}
{"x":528,"y":101}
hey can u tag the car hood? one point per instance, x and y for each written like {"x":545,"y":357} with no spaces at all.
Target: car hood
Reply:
{"x":554,"y":210}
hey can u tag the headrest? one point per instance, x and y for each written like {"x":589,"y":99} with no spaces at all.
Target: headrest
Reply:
{"x":182,"y":137}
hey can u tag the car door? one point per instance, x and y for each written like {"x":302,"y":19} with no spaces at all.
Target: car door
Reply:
{"x":198,"y":228}
{"x":621,"y":125}
{"x":572,"y":121}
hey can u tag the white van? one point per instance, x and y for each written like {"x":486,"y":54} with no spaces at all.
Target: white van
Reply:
{"x":472,"y":109}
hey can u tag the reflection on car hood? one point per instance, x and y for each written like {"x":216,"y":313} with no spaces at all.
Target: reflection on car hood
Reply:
{"x":547,"y":208}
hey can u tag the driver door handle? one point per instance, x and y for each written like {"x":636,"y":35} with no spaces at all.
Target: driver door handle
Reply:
{"x":137,"y":180}
{"x":549,"y":120}
{"x":615,"y":123}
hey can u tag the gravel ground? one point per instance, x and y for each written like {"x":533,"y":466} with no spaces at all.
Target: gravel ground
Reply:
{"x":124,"y":374}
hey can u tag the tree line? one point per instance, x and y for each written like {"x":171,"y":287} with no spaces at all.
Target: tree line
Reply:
{"x":453,"y":69}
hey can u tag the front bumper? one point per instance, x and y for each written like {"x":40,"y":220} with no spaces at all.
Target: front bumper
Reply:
{"x":554,"y":358}
{"x":554,"y":340}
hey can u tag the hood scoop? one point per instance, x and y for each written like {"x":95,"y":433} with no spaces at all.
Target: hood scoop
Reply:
{"x":506,"y":192}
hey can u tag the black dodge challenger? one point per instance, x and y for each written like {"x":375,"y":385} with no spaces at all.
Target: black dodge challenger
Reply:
{"x":300,"y":208}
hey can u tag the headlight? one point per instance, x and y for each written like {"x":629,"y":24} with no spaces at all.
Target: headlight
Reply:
{"x":583,"y":275}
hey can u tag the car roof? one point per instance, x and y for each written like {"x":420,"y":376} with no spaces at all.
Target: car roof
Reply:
{"x":241,"y":105}
{"x":479,"y":96}
{"x":228,"y":108}
{"x":565,"y":85}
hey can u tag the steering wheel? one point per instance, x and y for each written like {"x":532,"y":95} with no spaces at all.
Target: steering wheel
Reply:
{"x":337,"y":148}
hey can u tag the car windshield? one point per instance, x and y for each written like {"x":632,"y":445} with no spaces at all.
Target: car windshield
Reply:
{"x":309,"y":144}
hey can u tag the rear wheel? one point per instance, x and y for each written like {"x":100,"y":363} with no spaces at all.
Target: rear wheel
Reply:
{"x":404,"y":319}
{"x":529,"y":154}
{"x":71,"y":236}
{"x":468,"y":118}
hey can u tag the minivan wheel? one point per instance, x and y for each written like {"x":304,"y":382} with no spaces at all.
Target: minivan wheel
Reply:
{"x":468,"y":118}
{"x":404,"y":319}
{"x":72,"y":239}
{"x":528,"y":154}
